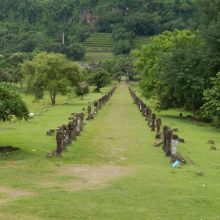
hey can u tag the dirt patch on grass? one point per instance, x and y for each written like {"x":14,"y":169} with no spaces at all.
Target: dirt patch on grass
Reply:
{"x":8,"y":194}
{"x":87,"y":177}
{"x":13,"y":164}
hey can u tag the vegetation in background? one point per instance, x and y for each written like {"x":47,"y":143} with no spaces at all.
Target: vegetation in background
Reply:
{"x":11,"y":104}
{"x":82,"y":89}
{"x":173,"y":68}
{"x":120,"y":66}
{"x":177,"y":67}
{"x":50,"y":72}
{"x":29,"y":25}
{"x":100,"y":78}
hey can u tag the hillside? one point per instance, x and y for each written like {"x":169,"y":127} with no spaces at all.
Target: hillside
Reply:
{"x":99,"y":46}
{"x":41,"y":24}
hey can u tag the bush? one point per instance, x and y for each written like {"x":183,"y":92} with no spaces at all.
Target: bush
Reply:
{"x":75,"y":51}
{"x":82,"y":89}
{"x":100,"y":79}
{"x":11,"y":104}
{"x":122,"y":34}
{"x":122,"y":47}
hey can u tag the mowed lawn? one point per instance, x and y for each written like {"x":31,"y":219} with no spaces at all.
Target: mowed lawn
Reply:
{"x":112,"y":172}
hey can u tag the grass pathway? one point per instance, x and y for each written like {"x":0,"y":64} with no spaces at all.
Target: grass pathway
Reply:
{"x":113,"y":172}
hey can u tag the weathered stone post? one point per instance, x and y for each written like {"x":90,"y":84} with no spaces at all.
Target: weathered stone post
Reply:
{"x":165,"y":129}
{"x":175,"y":142}
{"x":59,"y":139}
{"x":153,"y":120}
{"x":169,"y":136}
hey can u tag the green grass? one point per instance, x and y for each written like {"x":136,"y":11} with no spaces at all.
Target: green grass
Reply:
{"x":95,"y":57}
{"x":150,"y":190}
{"x":99,"y":46}
{"x":99,"y":43}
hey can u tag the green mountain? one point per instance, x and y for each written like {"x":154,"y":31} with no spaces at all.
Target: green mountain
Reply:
{"x":47,"y":24}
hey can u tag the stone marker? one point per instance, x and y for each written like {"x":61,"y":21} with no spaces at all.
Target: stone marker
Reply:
{"x":169,"y":135}
{"x":165,"y":129}
{"x":59,"y":139}
{"x":174,"y":144}
{"x":153,"y":120}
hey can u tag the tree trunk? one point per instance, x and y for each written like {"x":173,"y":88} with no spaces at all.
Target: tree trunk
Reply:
{"x":53,"y":98}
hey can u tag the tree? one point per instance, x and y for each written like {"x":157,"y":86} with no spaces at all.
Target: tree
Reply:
{"x":122,"y":47}
{"x":100,"y":79}
{"x":210,"y":30}
{"x":11,"y":104}
{"x":16,"y":60}
{"x":51,"y":72}
{"x":120,"y":66}
{"x":211,"y":107}
{"x":121,"y":33}
{"x":82,"y":89}
{"x":75,"y":51}
{"x":173,"y":68}
{"x":143,"y":23}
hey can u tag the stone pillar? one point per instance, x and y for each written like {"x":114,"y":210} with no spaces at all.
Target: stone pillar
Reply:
{"x":165,"y":129}
{"x":158,"y":125}
{"x":169,"y":136}
{"x":174,"y":144}
{"x":59,"y":139}
{"x":153,"y":122}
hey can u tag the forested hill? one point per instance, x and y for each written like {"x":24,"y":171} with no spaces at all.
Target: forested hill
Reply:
{"x":39,"y":24}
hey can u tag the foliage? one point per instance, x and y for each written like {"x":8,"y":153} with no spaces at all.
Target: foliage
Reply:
{"x":142,"y":23}
{"x":51,"y":72}
{"x":210,"y":30}
{"x":122,"y":47}
{"x":75,"y":51}
{"x":122,"y":34}
{"x":173,"y":68}
{"x":82,"y":89}
{"x":211,"y":107}
{"x":11,"y":104}
{"x":29,"y":25}
{"x":120,"y":66}
{"x":100,"y":78}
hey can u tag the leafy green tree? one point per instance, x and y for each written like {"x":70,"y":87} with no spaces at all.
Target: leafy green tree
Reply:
{"x":122,"y":34}
{"x":210,"y":30}
{"x":11,"y":104}
{"x":122,"y":47}
{"x":28,"y":25}
{"x":82,"y":89}
{"x":100,"y":79}
{"x":174,"y":70}
{"x":16,"y":60}
{"x":143,"y":23}
{"x":51,"y":72}
{"x":75,"y":51}
{"x":120,"y":66}
{"x":211,"y":107}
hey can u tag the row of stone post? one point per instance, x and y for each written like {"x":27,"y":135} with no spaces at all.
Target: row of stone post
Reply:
{"x":166,"y":137}
{"x":68,"y":133}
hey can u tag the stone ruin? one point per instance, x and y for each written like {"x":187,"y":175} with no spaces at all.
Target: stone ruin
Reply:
{"x":68,"y":133}
{"x":166,"y":138}
{"x":88,"y":18}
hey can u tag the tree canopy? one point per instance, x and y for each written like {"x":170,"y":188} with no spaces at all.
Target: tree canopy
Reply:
{"x":50,"y":72}
{"x":29,"y":25}
{"x":173,"y":67}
